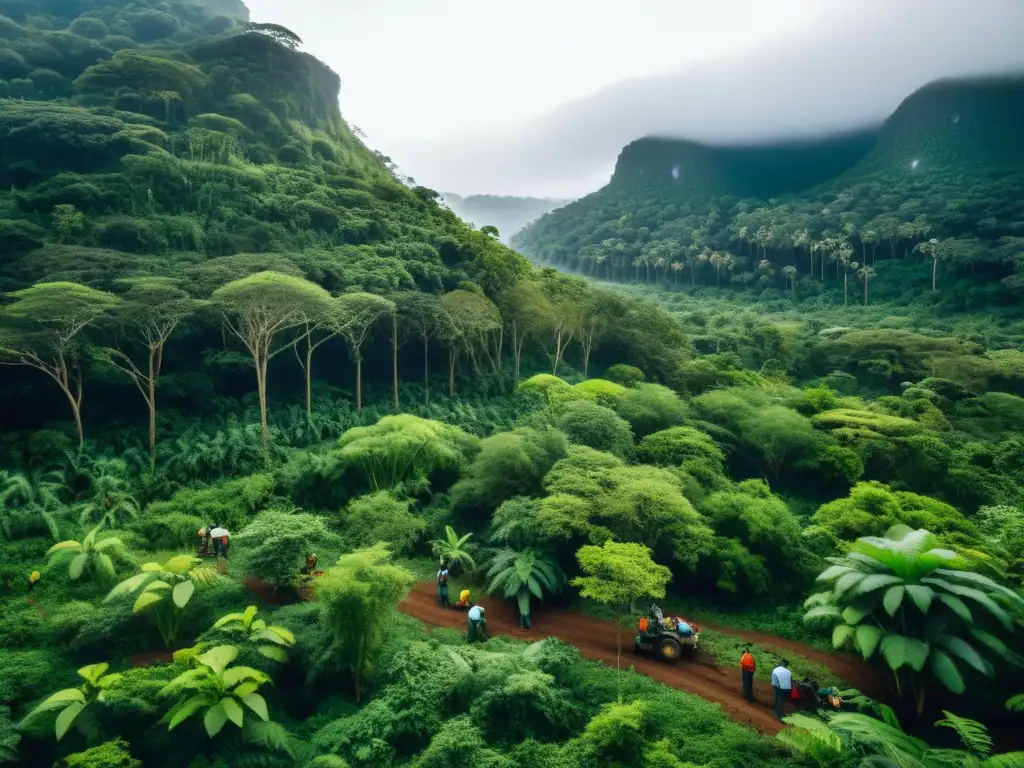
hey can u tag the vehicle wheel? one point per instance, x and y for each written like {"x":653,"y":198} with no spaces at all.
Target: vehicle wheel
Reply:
{"x":669,"y":648}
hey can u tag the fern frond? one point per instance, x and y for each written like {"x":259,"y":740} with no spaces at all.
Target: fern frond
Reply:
{"x":1016,"y":703}
{"x":973,"y":734}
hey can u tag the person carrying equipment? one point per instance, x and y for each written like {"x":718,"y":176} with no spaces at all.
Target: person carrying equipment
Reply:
{"x":204,"y":542}
{"x":747,"y":667}
{"x":442,"y":585}
{"x":476,"y":625}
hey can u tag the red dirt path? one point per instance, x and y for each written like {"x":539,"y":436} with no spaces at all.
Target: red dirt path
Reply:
{"x":595,"y":640}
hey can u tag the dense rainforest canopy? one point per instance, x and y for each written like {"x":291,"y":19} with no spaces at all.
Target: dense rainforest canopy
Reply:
{"x":219,"y":308}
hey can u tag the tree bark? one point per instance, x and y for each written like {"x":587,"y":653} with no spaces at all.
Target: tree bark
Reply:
{"x":935,"y":269}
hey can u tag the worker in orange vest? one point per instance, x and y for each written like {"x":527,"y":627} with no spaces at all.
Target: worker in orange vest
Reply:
{"x":747,"y":667}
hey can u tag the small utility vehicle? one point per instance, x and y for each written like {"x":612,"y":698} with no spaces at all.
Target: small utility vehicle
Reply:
{"x":667,"y":639}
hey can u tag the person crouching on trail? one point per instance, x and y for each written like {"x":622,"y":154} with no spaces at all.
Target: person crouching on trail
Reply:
{"x":477,"y":625}
{"x":747,"y":667}
{"x":442,"y":585}
{"x":464,"y":603}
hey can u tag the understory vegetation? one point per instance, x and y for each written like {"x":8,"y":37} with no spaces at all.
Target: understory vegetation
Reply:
{"x":220,"y":308}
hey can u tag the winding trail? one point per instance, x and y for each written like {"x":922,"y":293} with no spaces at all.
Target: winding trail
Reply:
{"x":595,"y":639}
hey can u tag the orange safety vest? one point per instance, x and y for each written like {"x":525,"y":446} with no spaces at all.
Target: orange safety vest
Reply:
{"x":643,"y":623}
{"x":747,"y":663}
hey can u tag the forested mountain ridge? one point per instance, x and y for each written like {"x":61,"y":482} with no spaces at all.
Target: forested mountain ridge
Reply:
{"x":172,"y":141}
{"x":940,"y":186}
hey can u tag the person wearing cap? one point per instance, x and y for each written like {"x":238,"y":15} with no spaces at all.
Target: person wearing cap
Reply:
{"x":476,"y":623}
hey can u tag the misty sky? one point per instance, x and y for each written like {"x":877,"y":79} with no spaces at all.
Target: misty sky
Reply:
{"x":537,"y":97}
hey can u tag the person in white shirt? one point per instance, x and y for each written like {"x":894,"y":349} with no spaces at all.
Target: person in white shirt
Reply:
{"x":221,"y":539}
{"x":476,"y":622}
{"x":782,"y":682}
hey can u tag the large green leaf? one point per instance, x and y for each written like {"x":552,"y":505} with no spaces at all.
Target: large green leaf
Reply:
{"x":820,"y":612}
{"x":185,"y":710}
{"x":228,"y":619}
{"x":214,"y":719}
{"x":218,"y":658}
{"x":183,"y":593}
{"x":233,"y":710}
{"x":77,"y":566}
{"x":840,"y":634}
{"x":834,"y":572}
{"x":93,"y":672}
{"x":893,"y":599}
{"x":59,"y":700}
{"x":257,"y":704}
{"x":946,"y":671}
{"x":275,"y":634}
{"x":105,"y":565}
{"x":984,"y":581}
{"x":977,"y":596}
{"x":876,"y":581}
{"x":75,"y":546}
{"x":957,"y":606}
{"x":966,"y":651}
{"x":900,"y":651}
{"x":1005,"y":760}
{"x":854,"y":614}
{"x":847,"y":581}
{"x":146,"y":599}
{"x":236,"y":675}
{"x":129,"y":585}
{"x":997,"y":645}
{"x":867,"y":639}
{"x":67,"y":717}
{"x":922,"y":596}
{"x":274,"y":652}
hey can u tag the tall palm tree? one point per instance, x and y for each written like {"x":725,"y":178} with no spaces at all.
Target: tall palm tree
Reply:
{"x":523,"y":575}
{"x":866,"y":273}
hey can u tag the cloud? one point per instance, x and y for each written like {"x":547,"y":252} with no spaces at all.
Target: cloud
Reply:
{"x":846,"y":70}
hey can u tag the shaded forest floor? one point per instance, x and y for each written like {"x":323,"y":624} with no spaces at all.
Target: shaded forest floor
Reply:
{"x":595,"y":639}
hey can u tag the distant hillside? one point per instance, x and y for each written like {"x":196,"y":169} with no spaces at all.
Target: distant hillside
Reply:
{"x":743,"y":171}
{"x":947,"y":166}
{"x":508,"y":214}
{"x":953,"y":126}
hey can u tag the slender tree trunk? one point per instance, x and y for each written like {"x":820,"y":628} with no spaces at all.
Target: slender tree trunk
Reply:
{"x":451,"y":372}
{"x":394,"y":359}
{"x":261,"y":389}
{"x":935,"y":269}
{"x":151,"y":402}
{"x":426,"y":369}
{"x":76,"y":411}
{"x":359,"y":381}
{"x":309,"y":378}
{"x":846,"y":278}
{"x":865,"y":291}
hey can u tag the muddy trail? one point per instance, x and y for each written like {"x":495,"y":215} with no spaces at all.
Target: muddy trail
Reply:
{"x":595,"y":640}
{"x":847,"y":668}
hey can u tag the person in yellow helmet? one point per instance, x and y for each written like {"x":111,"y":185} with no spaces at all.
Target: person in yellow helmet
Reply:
{"x":32,"y":579}
{"x":464,"y":603}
